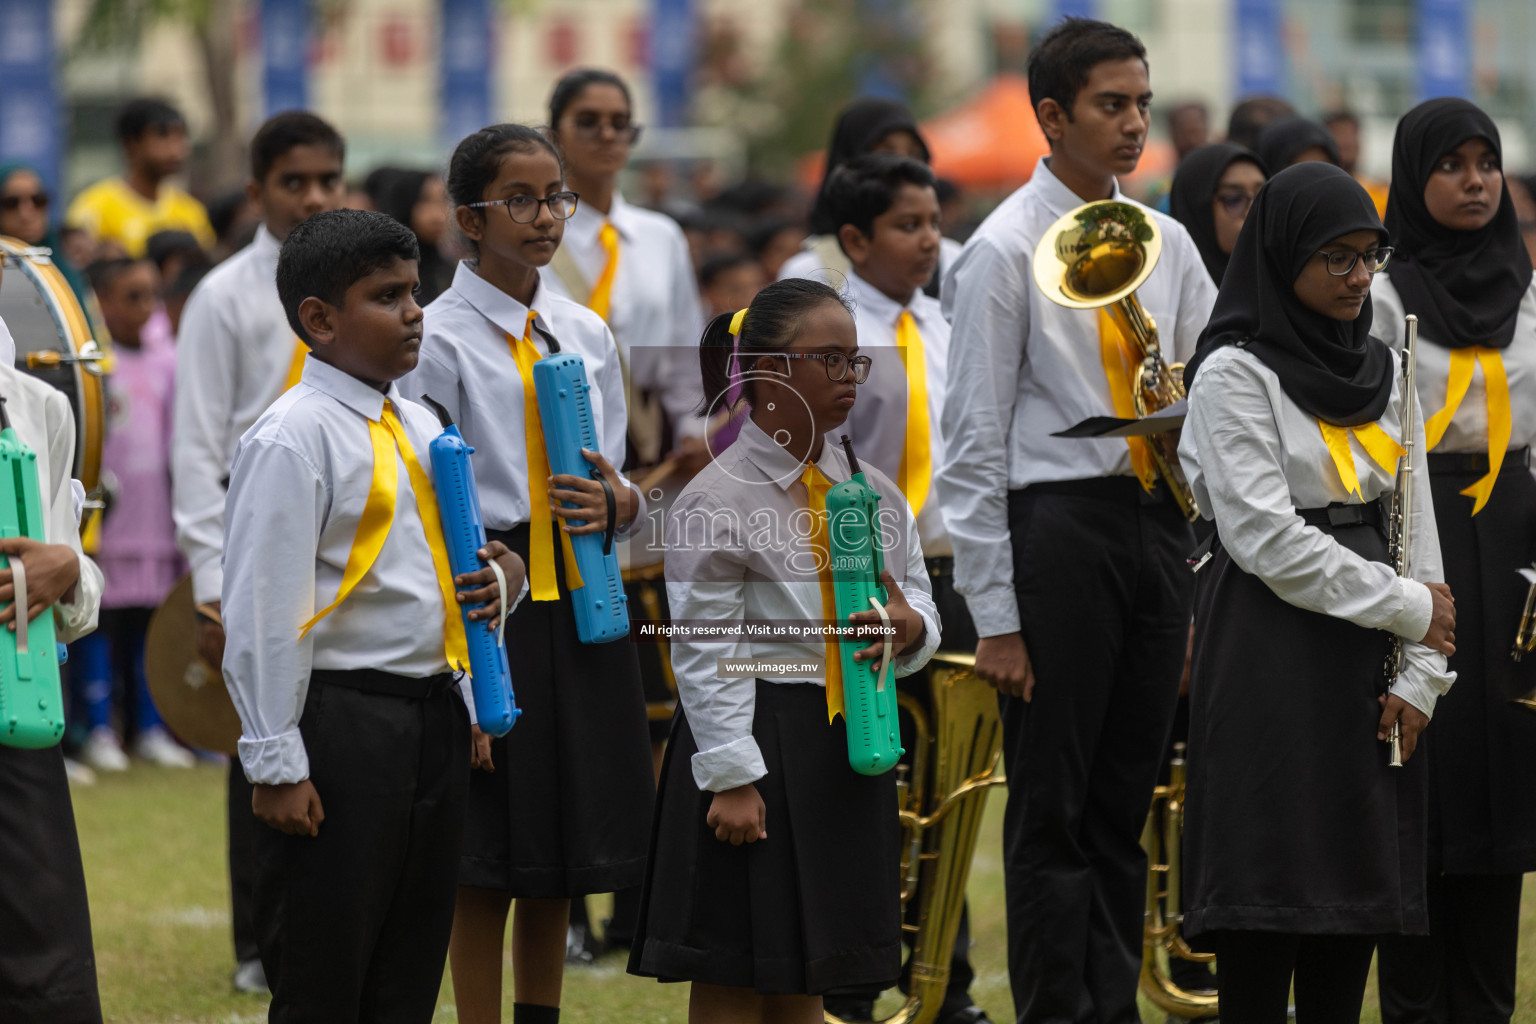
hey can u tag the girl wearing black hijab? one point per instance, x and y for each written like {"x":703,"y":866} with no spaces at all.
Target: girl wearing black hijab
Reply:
{"x":1295,"y":140}
{"x":1463,"y":269}
{"x":418,"y":200}
{"x":1212,"y":191}
{"x":1301,"y":844}
{"x":869,"y":125}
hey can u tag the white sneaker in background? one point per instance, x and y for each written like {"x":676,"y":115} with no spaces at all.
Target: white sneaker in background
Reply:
{"x":156,"y":746}
{"x":78,"y":774}
{"x":250,"y":977}
{"x":103,"y":751}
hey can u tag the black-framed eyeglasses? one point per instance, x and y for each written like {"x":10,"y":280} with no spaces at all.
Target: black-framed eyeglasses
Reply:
{"x":1340,"y":264}
{"x":589,"y":125}
{"x":1236,"y":204}
{"x":39,"y":200}
{"x":525,"y":209}
{"x":836,"y":363}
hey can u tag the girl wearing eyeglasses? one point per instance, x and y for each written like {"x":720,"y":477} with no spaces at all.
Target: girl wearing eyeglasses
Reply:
{"x":24,"y":209}
{"x":561,"y":806}
{"x":1302,"y":844}
{"x":1211,"y":193}
{"x":1463,"y":269}
{"x":773,"y":863}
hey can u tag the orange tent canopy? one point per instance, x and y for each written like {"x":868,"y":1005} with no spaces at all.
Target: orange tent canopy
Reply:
{"x":992,"y":141}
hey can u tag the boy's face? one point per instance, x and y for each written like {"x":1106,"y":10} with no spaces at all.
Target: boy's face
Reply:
{"x":1104,"y":132}
{"x":302,"y":182}
{"x":375,"y":334}
{"x":161,"y":151}
{"x":902,"y":251}
{"x":128,"y":302}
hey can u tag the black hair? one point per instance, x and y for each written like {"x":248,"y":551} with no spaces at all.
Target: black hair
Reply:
{"x":187,"y":278}
{"x":476,"y":160}
{"x":761,"y":234}
{"x":865,"y":187}
{"x":102,"y":273}
{"x":573,"y":83}
{"x":1061,"y":62}
{"x":162,"y":245}
{"x":1251,"y":115}
{"x":289,"y":130}
{"x":1341,"y":116}
{"x":331,"y":251}
{"x":947,"y":190}
{"x":771,"y":325}
{"x":223,"y":209}
{"x":378,"y":182}
{"x":138,"y":116}
{"x":723,"y":263}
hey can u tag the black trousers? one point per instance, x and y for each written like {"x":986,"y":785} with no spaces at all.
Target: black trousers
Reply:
{"x":1257,"y":969}
{"x":243,"y":835}
{"x":1104,"y":598}
{"x":363,"y":911}
{"x":1463,"y":971}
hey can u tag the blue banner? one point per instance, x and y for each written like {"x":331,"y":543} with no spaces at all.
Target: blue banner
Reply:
{"x":1075,"y":9}
{"x":284,"y":55}
{"x":1445,"y":49}
{"x":1259,"y":48}
{"x":465,"y":62}
{"x":30,"y":115}
{"x":673,"y":36}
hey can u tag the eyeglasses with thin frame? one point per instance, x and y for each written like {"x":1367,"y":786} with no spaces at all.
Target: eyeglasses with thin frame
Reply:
{"x":1340,"y":264}
{"x":589,"y":126}
{"x":525,"y":209}
{"x":39,"y":200}
{"x":1237,"y":204}
{"x":836,"y":363}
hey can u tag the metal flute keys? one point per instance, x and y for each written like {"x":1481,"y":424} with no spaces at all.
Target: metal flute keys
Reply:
{"x":1400,"y":524}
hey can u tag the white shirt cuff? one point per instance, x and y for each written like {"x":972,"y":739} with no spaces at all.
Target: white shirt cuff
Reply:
{"x":208,"y":580}
{"x":1412,"y":623}
{"x":737,"y":763}
{"x":907,"y":664}
{"x":276,"y":760}
{"x":996,"y":611}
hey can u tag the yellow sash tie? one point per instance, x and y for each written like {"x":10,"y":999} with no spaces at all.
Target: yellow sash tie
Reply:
{"x":389,"y":437}
{"x":1378,"y":444}
{"x":602,"y":291}
{"x":542,"y":584}
{"x":1119,"y":368}
{"x":916,"y":455}
{"x":816,"y":487}
{"x":1500,"y":424}
{"x":296,"y":363}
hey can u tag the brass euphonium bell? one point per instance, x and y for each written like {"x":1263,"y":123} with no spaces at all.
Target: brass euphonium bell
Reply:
{"x":1095,"y":258}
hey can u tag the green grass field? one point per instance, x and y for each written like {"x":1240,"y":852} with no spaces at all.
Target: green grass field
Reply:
{"x":154,"y":859}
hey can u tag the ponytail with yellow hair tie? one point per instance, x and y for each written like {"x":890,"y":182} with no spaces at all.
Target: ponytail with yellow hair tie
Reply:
{"x":741,"y":314}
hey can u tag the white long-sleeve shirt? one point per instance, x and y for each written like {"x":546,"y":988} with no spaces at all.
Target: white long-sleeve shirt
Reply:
{"x":654,"y":303}
{"x":878,"y":423}
{"x":232,"y":358}
{"x":42,"y":419}
{"x":297,"y":491}
{"x":738,"y":548}
{"x":467,"y":367}
{"x":1468,"y":431}
{"x":1253,"y":457}
{"x":1022,"y":367}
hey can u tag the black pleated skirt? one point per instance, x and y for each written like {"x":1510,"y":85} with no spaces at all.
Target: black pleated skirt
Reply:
{"x":1295,"y":822}
{"x":568,"y":809}
{"x":1482,"y":749}
{"x":813,"y":907}
{"x":47,"y":962}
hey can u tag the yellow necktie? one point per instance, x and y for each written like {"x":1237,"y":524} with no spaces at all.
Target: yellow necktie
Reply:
{"x":1500,"y":424}
{"x":389,"y":437}
{"x":816,"y":487}
{"x":916,"y":455}
{"x":542,"y":584}
{"x":1119,"y":361}
{"x":296,"y":363}
{"x":602,"y":291}
{"x":1378,"y":444}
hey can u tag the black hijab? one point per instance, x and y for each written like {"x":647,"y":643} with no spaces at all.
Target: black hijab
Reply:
{"x":398,"y":195}
{"x":1193,"y":192}
{"x":1466,"y":286}
{"x":1283,"y":141}
{"x":859,"y":128}
{"x":1333,"y":369}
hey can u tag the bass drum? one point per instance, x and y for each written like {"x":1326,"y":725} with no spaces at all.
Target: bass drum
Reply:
{"x":57,"y":343}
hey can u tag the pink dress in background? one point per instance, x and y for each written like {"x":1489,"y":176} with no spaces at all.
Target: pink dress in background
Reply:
{"x":138,"y":551}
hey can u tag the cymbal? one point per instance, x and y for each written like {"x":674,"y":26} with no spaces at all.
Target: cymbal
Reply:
{"x":188,"y":692}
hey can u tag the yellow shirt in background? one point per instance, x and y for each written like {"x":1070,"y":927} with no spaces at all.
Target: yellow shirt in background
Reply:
{"x":111,"y":211}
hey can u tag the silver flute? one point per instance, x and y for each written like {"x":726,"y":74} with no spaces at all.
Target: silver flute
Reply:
{"x":1400,"y":524}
